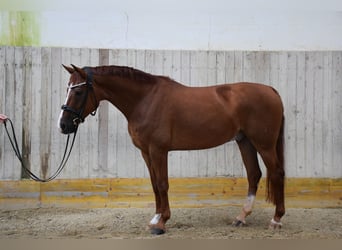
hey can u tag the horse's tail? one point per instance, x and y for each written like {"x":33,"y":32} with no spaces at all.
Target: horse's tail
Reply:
{"x":280,"y":147}
{"x":275,"y":183}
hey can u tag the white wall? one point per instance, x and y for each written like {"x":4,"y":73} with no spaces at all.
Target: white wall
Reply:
{"x":188,"y":25}
{"x":33,"y":87}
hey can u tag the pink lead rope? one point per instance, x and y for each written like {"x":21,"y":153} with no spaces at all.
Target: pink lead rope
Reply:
{"x":3,"y":118}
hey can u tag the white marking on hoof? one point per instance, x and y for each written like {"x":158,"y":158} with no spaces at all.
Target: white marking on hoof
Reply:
{"x":240,"y":220}
{"x":249,"y":204}
{"x":275,"y":224}
{"x":155,"y":219}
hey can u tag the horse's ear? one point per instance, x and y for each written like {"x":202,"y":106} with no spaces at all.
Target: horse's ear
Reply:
{"x":80,"y":71}
{"x":69,"y":69}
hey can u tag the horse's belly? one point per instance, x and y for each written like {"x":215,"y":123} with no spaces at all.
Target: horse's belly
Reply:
{"x":202,"y":137}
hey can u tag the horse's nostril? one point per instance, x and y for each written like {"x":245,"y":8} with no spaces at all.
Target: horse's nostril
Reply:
{"x":62,"y":126}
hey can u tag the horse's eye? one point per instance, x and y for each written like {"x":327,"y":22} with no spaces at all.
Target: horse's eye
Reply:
{"x":78,"y":92}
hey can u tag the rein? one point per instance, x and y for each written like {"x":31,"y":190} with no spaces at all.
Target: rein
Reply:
{"x":77,"y":120}
{"x":15,"y":147}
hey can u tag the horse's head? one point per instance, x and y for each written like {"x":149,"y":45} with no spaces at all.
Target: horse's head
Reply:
{"x":80,"y":101}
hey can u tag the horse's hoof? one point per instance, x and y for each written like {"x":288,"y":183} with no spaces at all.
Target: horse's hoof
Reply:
{"x":239,"y":223}
{"x":157,"y":231}
{"x":274,"y":225}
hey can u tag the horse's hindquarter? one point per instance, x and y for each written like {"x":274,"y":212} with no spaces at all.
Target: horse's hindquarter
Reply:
{"x":260,"y":111}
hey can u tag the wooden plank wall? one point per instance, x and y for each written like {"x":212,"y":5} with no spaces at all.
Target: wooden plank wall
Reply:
{"x":33,"y":87}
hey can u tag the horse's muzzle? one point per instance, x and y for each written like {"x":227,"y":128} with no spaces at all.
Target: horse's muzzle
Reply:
{"x":67,"y":127}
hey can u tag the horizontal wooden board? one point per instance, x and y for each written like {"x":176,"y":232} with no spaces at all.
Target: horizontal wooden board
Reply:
{"x":184,"y":192}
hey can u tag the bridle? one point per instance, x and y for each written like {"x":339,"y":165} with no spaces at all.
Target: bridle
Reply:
{"x":79,"y":114}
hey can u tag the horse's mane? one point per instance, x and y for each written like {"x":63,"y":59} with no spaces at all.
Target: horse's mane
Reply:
{"x":125,"y":72}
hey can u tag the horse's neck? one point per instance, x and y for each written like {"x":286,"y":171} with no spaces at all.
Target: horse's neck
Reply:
{"x":123,"y":93}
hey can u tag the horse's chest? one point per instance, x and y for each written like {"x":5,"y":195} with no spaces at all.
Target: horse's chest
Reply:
{"x":135,"y":135}
{"x":145,"y":136}
{"x":139,"y":136}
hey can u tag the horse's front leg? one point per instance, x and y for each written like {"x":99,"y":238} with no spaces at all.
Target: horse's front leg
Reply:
{"x":156,"y":161}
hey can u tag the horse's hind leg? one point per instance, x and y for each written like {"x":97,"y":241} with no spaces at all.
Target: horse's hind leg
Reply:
{"x":275,"y":184}
{"x":250,"y":160}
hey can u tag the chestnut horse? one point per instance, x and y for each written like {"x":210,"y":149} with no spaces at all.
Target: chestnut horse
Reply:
{"x":164,"y":115}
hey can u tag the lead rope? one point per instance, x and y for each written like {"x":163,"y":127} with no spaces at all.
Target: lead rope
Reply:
{"x":15,"y":147}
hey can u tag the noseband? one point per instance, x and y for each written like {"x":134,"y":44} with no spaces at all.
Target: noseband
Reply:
{"x":79,"y":114}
